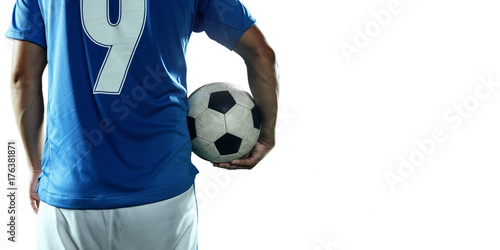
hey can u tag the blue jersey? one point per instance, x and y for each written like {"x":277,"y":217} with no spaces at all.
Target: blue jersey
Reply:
{"x":116,"y":111}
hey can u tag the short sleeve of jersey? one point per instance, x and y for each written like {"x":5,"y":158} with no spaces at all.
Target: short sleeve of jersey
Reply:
{"x":27,"y":23}
{"x":224,"y":21}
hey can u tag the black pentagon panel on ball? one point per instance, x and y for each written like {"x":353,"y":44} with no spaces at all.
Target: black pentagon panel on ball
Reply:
{"x":191,"y":127}
{"x":256,"y":117}
{"x":228,"y":144}
{"x":221,"y":101}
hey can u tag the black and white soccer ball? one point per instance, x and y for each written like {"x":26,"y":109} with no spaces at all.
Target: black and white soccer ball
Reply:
{"x":223,"y":121}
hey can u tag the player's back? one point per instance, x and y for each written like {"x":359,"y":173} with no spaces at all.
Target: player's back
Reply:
{"x":117,"y":106}
{"x":116,"y":133}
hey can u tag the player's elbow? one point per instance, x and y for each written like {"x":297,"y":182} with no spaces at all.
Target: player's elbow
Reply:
{"x":24,"y":84}
{"x":17,"y":79}
{"x":267,"y":54}
{"x":19,"y":82}
{"x":256,"y":52}
{"x":264,"y":54}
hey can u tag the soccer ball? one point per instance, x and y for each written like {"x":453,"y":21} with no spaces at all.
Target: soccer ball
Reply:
{"x":223,"y":122}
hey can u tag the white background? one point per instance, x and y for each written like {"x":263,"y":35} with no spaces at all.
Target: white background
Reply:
{"x":343,"y":127}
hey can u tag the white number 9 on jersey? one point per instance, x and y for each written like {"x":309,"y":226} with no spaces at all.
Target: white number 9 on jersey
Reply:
{"x":120,"y":38}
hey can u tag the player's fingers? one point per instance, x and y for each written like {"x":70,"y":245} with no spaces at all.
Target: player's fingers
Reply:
{"x":247,"y":163}
{"x":225,"y":165}
{"x":229,"y":166}
{"x":251,"y":159}
{"x":34,"y":205}
{"x":248,"y":154}
{"x":233,"y":166}
{"x":236,"y":164}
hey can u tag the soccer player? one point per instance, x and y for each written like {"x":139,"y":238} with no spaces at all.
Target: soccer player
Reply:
{"x":113,"y":168}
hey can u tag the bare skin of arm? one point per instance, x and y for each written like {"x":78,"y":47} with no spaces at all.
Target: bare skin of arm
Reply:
{"x":28,"y":63}
{"x":263,"y":78}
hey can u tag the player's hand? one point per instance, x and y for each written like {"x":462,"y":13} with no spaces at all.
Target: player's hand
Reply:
{"x":34,"y":199}
{"x":260,"y":150}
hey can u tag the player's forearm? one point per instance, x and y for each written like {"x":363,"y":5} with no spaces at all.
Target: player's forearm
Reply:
{"x":263,"y":77}
{"x":28,"y":109}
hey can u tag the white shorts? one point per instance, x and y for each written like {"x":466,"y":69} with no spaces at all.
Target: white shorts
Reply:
{"x":170,"y":224}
